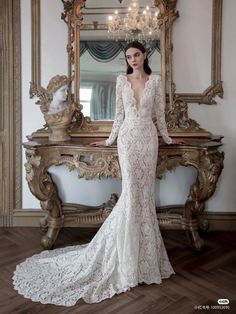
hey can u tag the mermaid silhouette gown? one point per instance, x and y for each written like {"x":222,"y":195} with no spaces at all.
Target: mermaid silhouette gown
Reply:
{"x":128,"y":248}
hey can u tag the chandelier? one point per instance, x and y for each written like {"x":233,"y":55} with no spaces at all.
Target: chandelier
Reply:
{"x":136,"y":25}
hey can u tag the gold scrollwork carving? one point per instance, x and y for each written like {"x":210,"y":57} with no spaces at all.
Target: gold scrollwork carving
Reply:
{"x":212,"y":91}
{"x":166,"y":162}
{"x":43,"y":187}
{"x":94,"y":166}
{"x":99,"y":166}
{"x":208,"y":165}
{"x":209,"y":168}
{"x":88,"y":215}
{"x":177,"y":118}
{"x":32,"y":162}
{"x":83,"y":123}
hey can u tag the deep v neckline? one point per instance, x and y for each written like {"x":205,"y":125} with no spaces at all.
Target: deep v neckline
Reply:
{"x":138,"y":105}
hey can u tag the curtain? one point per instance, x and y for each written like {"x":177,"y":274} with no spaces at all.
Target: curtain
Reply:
{"x":105,"y":51}
{"x":103,"y":101}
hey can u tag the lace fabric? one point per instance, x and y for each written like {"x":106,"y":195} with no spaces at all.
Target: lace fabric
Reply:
{"x":152,"y":101}
{"x":128,"y":248}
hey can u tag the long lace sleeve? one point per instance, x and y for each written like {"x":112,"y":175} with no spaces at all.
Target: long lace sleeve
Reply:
{"x":119,"y":117}
{"x":160,"y":111}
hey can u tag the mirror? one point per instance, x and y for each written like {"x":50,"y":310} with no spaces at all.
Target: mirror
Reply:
{"x":87,"y":27}
{"x":98,"y":77}
{"x":102,"y":57}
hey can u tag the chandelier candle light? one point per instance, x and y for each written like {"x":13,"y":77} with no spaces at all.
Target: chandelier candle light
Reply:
{"x":136,"y":25}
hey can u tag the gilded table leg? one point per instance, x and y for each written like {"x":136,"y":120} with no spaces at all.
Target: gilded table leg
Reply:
{"x":209,"y":166}
{"x":42,"y":186}
{"x":54,"y":224}
{"x":196,"y":242}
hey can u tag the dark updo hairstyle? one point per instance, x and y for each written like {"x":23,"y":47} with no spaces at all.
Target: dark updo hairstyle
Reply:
{"x":139,"y":46}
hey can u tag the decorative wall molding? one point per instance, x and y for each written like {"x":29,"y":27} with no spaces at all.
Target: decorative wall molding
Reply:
{"x":17,"y":124}
{"x":35,"y":42}
{"x":215,"y":88}
{"x":10,"y":109}
{"x":218,"y":221}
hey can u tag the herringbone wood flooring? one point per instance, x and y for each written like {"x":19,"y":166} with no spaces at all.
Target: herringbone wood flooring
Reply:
{"x":200,"y":280}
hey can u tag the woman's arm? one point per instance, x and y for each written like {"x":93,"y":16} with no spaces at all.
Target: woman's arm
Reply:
{"x":119,"y":117}
{"x":159,"y":107}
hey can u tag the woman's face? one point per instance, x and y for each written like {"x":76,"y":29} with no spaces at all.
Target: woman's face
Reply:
{"x":61,"y":93}
{"x":135,"y":58}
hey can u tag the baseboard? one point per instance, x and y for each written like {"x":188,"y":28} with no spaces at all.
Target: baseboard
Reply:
{"x":224,"y":221}
{"x":27,"y":217}
{"x":220,"y":221}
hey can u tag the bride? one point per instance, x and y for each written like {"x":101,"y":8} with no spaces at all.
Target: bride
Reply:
{"x":128,"y":248}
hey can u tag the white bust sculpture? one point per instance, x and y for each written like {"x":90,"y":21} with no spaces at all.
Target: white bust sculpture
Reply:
{"x":59,"y":100}
{"x":57,"y":109}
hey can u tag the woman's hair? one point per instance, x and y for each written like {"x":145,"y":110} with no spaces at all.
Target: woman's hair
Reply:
{"x":139,"y":46}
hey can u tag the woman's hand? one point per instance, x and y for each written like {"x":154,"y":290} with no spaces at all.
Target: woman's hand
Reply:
{"x":98,"y":143}
{"x":178,"y":142}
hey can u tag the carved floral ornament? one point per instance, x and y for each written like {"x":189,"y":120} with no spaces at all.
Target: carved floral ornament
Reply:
{"x":33,"y":161}
{"x":96,"y":165}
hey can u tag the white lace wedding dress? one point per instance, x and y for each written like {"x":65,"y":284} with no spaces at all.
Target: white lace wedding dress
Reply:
{"x":128,"y":248}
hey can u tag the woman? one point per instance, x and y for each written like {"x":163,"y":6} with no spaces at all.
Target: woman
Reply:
{"x":128,"y":248}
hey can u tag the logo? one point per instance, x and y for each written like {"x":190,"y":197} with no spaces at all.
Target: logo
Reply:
{"x":223,"y":301}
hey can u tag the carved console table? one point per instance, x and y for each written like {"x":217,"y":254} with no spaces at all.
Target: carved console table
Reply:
{"x":91,"y":162}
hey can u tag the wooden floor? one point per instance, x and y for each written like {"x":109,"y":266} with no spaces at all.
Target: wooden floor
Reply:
{"x":201,"y":278}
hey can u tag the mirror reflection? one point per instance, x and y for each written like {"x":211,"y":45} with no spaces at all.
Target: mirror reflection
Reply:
{"x":103,"y":59}
{"x":98,"y":79}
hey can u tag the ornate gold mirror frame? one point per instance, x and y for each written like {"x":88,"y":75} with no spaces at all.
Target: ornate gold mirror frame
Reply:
{"x":73,"y":16}
{"x":176,"y":103}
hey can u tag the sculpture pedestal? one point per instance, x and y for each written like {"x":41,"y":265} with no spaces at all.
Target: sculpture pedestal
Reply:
{"x":59,"y":134}
{"x":92,"y":162}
